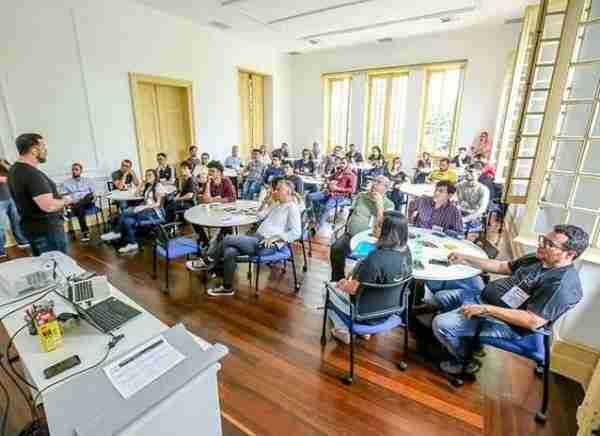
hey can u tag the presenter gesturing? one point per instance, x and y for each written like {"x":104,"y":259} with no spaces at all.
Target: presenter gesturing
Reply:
{"x":36,"y":196}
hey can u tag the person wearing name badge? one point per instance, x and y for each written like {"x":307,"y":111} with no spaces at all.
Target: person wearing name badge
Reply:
{"x":537,"y":290}
{"x":437,"y":212}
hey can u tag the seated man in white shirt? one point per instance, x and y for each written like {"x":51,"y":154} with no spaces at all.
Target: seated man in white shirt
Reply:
{"x":473,"y":198}
{"x":81,"y":191}
{"x":280,"y":224}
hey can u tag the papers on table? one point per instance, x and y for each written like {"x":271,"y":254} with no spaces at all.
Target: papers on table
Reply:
{"x":141,"y":366}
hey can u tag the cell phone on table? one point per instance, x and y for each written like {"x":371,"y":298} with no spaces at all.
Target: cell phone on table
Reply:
{"x":440,"y":262}
{"x":57,"y":368}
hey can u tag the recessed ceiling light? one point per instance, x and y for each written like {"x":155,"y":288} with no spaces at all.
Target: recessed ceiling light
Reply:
{"x":294,"y":53}
{"x":220,"y":25}
{"x":382,"y":40}
{"x":448,"y":19}
{"x":313,"y":41}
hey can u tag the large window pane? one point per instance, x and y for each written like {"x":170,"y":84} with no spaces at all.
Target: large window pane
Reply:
{"x":586,"y":194}
{"x":518,"y":188}
{"x":589,"y":44}
{"x":591,"y":163}
{"x":566,"y":155}
{"x":557,"y":5}
{"x":548,"y":52}
{"x":397,"y":114}
{"x":532,"y":124}
{"x":548,"y":217}
{"x":339,"y":111}
{"x":542,"y":77}
{"x":583,"y":81}
{"x":443,"y":91}
{"x":528,"y":146}
{"x":584,"y":220}
{"x":594,"y":11}
{"x":522,"y":168}
{"x":574,"y":119}
{"x":558,"y":189}
{"x":377,"y":110}
{"x":553,"y":26}
{"x":537,"y":101}
{"x":596,"y":129}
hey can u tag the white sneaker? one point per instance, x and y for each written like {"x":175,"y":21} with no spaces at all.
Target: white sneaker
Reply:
{"x":341,"y":335}
{"x":23,"y":246}
{"x":196,"y":265}
{"x":85,"y":237}
{"x":217,"y":292}
{"x":110,"y":236}
{"x":129,"y":248}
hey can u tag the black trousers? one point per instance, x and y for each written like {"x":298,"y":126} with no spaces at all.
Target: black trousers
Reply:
{"x":79,"y":210}
{"x":338,"y":252}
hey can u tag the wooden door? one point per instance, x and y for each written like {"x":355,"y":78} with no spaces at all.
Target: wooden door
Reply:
{"x":149,"y":137}
{"x":174,"y":123}
{"x":251,"y":91}
{"x":245,"y":118}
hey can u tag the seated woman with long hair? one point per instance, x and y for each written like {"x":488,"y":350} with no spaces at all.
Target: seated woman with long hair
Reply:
{"x":391,"y":262}
{"x":153,"y":192}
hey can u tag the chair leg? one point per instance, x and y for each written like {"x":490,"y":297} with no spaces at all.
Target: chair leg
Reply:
{"x":296,"y":284}
{"x":305,"y":267}
{"x":541,"y":416}
{"x":323,"y":336}
{"x":402,"y":365}
{"x":348,"y":379}
{"x":167,"y":275}
{"x":309,"y":247}
{"x":154,"y":261}
{"x":256,"y":278}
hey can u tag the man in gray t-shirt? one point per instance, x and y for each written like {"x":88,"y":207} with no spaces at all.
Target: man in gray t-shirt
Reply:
{"x":538,"y":289}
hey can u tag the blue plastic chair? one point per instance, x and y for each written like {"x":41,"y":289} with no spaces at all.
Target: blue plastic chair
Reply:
{"x":91,"y":209}
{"x":169,"y":245}
{"x":376,"y":308}
{"x":536,"y":347}
{"x":284,"y":254}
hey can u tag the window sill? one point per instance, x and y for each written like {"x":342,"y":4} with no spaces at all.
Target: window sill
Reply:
{"x":591,"y":255}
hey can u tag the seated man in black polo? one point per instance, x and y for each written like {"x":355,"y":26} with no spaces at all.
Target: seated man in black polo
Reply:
{"x":539,"y":289}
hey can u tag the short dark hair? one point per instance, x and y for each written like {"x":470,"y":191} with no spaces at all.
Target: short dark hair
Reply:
{"x":186,"y":164}
{"x":445,"y":159}
{"x":161,"y":154}
{"x":477,"y":166}
{"x":192,"y":147}
{"x":478,"y":156}
{"x":205,"y":154}
{"x":26,"y":141}
{"x":128,"y":162}
{"x":394,"y":230}
{"x":450,"y":187}
{"x":255,"y":150}
{"x":578,"y":239}
{"x":462,"y":148}
{"x":77,"y":164}
{"x":216,"y":165}
{"x":118,"y":175}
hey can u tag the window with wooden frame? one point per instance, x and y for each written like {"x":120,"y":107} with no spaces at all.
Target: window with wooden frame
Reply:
{"x":251,"y":91}
{"x":338,"y":91}
{"x":386,"y":111}
{"x":572,"y":175}
{"x":540,"y":81}
{"x":443,"y":92}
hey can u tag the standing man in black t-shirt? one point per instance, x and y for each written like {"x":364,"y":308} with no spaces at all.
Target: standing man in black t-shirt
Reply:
{"x":36,"y":196}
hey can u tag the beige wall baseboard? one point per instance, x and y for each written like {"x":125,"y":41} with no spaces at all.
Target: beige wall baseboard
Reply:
{"x":574,"y":361}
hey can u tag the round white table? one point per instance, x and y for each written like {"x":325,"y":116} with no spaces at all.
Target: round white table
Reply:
{"x":418,"y":189}
{"x":221,"y":215}
{"x":444,"y":246}
{"x":124,"y":196}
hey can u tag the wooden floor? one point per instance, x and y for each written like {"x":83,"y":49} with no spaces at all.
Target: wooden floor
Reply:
{"x":278,"y":381}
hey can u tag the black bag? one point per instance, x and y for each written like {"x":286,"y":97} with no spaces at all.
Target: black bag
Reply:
{"x":427,"y":344}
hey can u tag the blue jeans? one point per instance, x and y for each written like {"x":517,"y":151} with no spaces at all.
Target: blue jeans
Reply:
{"x":454,"y":330}
{"x":54,"y":240}
{"x":9,"y":209}
{"x":250,"y":189}
{"x":233,"y":246}
{"x":450,"y":294}
{"x":128,"y":222}
{"x":322,"y":202}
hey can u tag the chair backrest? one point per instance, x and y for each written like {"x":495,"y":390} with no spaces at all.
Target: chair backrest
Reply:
{"x":165,"y":233}
{"x":375,"y":300}
{"x":110,"y":186}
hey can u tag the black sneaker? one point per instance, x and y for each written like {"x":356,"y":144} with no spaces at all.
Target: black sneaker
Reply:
{"x":85,"y":237}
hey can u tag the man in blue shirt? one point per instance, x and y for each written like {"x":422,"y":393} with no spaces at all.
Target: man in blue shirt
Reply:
{"x":234,"y":161}
{"x":273,"y":171}
{"x":539,"y":289}
{"x":81,"y":191}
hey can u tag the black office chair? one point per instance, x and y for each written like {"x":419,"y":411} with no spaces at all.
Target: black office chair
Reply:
{"x":374,"y":309}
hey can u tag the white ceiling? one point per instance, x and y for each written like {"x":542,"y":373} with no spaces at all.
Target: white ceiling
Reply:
{"x":292,"y":25}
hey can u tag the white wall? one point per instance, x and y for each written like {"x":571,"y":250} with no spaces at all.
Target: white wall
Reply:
{"x":484,"y":49}
{"x":64,"y":73}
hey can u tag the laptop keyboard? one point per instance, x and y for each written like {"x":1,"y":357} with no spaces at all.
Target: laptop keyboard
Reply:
{"x":111,"y":314}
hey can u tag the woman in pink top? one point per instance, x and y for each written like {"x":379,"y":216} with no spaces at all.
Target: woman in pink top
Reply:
{"x":482,"y":144}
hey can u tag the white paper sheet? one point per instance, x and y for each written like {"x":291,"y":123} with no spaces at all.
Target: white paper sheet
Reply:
{"x":142,"y":366}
